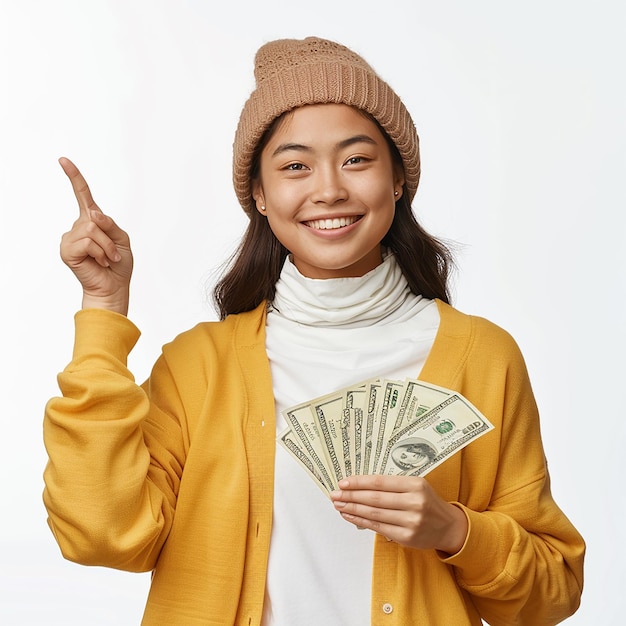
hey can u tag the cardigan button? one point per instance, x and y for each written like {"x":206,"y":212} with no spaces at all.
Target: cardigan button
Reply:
{"x":387,"y":608}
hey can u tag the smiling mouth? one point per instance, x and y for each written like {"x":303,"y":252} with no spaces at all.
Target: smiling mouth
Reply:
{"x":334,"y":223}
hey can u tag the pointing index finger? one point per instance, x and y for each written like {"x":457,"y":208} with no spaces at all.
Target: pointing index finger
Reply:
{"x":81,"y":189}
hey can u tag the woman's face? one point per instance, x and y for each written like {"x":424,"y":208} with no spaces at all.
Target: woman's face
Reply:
{"x":327,"y":185}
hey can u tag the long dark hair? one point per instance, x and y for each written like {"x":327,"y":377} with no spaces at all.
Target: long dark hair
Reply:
{"x":253,"y":271}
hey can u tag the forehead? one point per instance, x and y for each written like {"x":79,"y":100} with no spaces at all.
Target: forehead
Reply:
{"x":317,"y":124}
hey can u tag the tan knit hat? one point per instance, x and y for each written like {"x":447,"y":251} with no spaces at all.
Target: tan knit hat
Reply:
{"x":290,"y":73}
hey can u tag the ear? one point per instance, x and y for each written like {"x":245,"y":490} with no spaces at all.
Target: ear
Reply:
{"x":258,"y":196}
{"x":398,"y":181}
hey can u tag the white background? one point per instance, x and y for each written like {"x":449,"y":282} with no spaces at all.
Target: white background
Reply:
{"x":520,"y":108}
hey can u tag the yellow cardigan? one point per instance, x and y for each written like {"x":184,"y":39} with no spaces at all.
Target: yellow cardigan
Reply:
{"x":176,"y":476}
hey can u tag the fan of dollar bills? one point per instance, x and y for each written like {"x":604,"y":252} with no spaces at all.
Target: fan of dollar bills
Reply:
{"x":379,"y":426}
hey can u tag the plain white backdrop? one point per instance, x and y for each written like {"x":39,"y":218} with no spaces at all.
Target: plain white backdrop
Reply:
{"x":520,"y":109}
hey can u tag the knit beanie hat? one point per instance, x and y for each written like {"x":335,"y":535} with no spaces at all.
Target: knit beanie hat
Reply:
{"x":291,"y":73}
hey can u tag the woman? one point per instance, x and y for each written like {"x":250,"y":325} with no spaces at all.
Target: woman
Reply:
{"x":334,"y":282}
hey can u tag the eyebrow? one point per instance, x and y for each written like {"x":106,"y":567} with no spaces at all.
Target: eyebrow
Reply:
{"x":345,"y":143}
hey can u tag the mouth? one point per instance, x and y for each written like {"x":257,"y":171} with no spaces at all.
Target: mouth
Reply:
{"x":333,"y":223}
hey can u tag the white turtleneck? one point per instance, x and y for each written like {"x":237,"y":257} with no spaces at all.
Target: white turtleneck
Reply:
{"x":323,"y":335}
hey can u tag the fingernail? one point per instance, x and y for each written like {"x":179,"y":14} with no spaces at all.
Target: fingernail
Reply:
{"x":339,"y":505}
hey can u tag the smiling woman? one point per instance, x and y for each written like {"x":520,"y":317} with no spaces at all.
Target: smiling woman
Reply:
{"x":334,"y":282}
{"x":425,"y":261}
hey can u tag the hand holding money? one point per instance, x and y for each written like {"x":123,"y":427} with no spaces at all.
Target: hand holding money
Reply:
{"x":404,"y":509}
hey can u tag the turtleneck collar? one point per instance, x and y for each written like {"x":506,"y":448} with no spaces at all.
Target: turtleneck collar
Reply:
{"x":381,"y":296}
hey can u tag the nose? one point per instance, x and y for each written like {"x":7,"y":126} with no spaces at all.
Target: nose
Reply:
{"x":328,"y":186}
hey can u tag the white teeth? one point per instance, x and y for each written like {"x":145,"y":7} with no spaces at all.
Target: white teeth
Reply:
{"x":337,"y":222}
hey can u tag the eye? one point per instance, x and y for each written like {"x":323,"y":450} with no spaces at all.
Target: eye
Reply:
{"x":295,"y":167}
{"x":357,"y":160}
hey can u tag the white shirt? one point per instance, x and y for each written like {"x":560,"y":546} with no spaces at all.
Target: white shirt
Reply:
{"x":323,"y":335}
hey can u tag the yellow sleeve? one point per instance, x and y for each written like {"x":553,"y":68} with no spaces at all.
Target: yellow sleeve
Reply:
{"x":522,"y":561}
{"x":115,"y":456}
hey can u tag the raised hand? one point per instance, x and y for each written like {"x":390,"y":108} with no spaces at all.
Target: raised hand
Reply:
{"x":96,"y":250}
{"x":405,"y":509}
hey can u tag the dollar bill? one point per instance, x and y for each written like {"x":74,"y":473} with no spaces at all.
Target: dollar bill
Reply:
{"x":392,"y":392}
{"x":428,"y":441}
{"x":379,"y":426}
{"x":293,"y":446}
{"x":355,"y":405}
{"x":303,"y":426}
{"x":419,"y":397}
{"x":373,"y":388}
{"x":333,"y":428}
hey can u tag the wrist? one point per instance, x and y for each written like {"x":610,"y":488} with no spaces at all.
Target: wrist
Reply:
{"x":454,"y":538}
{"x":116,"y":304}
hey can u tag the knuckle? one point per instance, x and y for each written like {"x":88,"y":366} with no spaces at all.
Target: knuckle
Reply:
{"x":414,"y":520}
{"x":415,"y":501}
{"x":375,"y":497}
{"x":378,"y":482}
{"x":419,"y":484}
{"x":91,"y":229}
{"x":374,"y":514}
{"x":357,"y":509}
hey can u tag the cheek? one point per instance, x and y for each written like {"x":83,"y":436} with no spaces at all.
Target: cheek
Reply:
{"x":385,"y":211}
{"x":283,"y":199}
{"x":284,"y":229}
{"x":378,"y":191}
